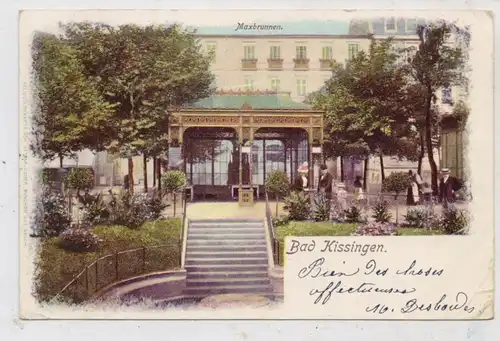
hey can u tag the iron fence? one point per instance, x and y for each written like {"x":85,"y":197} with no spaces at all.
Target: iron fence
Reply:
{"x":118,"y":266}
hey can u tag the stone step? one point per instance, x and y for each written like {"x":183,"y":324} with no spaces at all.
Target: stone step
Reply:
{"x":224,"y":248}
{"x":231,"y":274}
{"x":228,"y":289}
{"x":224,"y":230}
{"x":226,"y":221}
{"x":226,"y":242}
{"x":224,"y":225}
{"x":204,"y":282}
{"x":226,"y":254}
{"x":225,"y":268}
{"x":228,"y":261}
{"x":224,"y":236}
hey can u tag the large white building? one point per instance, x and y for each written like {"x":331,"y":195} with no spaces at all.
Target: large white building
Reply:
{"x":293,"y":57}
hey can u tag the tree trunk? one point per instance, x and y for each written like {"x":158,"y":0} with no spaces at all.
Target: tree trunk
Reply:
{"x":158,"y":174}
{"x":422,"y":154}
{"x":428,"y":138}
{"x":365,"y":172}
{"x":131,"y":175}
{"x":341,"y":169}
{"x":382,"y":169}
{"x":175,"y":201}
{"x":145,"y":170}
{"x":277,"y":203}
{"x":154,"y":171}
{"x":61,"y":161}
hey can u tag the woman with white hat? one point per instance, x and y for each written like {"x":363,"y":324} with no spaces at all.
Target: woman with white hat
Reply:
{"x":301,"y":180}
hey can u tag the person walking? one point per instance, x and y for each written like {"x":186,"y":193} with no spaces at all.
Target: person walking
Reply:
{"x":448,"y":185}
{"x":325,"y":184}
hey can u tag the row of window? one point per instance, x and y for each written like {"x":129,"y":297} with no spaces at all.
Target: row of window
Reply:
{"x":300,"y":51}
{"x":275,"y":84}
{"x":391,"y":25}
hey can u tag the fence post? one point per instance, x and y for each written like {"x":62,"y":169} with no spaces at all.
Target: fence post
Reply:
{"x":143,"y":259}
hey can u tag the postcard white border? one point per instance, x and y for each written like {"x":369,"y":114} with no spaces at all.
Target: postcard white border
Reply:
{"x":245,"y":330}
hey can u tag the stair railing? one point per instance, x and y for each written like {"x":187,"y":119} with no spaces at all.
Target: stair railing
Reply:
{"x":184,"y":229}
{"x":275,"y":247}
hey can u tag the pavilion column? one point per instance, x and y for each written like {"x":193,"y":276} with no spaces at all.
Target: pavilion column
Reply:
{"x":310,"y":160}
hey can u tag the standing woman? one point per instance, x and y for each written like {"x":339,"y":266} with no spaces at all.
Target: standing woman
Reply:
{"x":358,"y":188}
{"x":412,"y":196}
{"x":301,"y":181}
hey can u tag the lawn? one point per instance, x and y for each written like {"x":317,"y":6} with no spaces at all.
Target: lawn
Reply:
{"x":57,"y":267}
{"x":311,"y":228}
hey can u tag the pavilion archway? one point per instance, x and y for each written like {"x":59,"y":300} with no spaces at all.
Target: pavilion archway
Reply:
{"x":281,"y":149}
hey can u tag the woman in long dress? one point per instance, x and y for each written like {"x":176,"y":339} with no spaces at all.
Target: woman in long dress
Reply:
{"x":412,"y":195}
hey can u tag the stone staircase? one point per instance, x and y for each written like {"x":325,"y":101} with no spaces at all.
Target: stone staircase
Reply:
{"x":227,"y":257}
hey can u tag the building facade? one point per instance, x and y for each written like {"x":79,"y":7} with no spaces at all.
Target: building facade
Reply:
{"x":295,"y":59}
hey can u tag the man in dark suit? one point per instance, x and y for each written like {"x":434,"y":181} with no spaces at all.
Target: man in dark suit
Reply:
{"x":448,"y":185}
{"x":325,"y":183}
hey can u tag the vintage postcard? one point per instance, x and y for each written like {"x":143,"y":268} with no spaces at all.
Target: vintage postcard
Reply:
{"x":256,"y":164}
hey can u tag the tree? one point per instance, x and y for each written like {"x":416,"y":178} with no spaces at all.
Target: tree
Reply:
{"x":147,"y":72}
{"x":362,"y":101}
{"x":71,"y":113}
{"x":174,"y":182}
{"x":277,"y":183}
{"x":439,"y":62}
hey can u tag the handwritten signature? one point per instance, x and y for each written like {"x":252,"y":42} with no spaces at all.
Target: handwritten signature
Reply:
{"x":324,"y":295}
{"x":443,"y":304}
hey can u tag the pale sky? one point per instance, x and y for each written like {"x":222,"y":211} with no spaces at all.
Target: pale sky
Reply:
{"x":47,"y":20}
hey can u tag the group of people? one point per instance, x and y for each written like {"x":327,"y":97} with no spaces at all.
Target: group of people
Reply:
{"x":420,"y":191}
{"x":326,"y":183}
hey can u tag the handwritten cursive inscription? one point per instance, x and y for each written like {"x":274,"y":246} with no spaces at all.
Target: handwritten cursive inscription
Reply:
{"x":324,"y":295}
{"x":412,"y":271}
{"x":460,"y":303}
{"x":315,"y":270}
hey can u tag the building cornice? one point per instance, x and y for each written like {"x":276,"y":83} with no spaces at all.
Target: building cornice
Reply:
{"x":292,"y":36}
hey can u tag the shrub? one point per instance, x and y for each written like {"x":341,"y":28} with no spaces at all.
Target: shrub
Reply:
{"x":454,"y":220}
{"x":421,"y":217}
{"x":376,"y":229}
{"x":80,"y":179}
{"x":280,"y":221}
{"x":173,"y":181}
{"x":381,"y":212}
{"x":337,"y":212}
{"x":51,"y":216}
{"x":154,"y":208}
{"x":95,"y":210}
{"x":396,"y":182}
{"x":128,"y":209}
{"x":298,"y":206}
{"x":79,"y":240}
{"x":353,"y":214}
{"x":322,"y":206}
